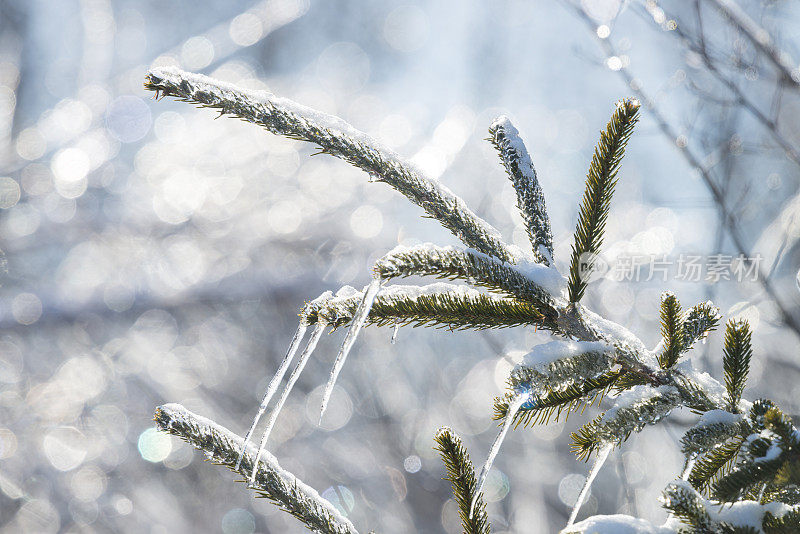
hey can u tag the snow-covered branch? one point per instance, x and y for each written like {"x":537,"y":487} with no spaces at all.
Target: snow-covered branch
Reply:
{"x":338,"y":138}
{"x":222,"y":446}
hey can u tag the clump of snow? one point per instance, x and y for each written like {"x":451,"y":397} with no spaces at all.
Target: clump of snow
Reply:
{"x":638,"y":395}
{"x":719,"y":416}
{"x":616,"y":524}
{"x":546,"y":353}
{"x":616,"y":332}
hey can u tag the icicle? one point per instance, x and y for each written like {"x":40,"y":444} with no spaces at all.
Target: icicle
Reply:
{"x":273,"y":416}
{"x":687,"y":467}
{"x":273,"y":385}
{"x":394,"y":333}
{"x":359,"y":319}
{"x":598,"y":464}
{"x":513,"y":409}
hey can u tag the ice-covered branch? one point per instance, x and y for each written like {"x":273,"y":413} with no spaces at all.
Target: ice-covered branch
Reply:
{"x":530,"y":199}
{"x":529,"y":282}
{"x":222,"y":446}
{"x":336,"y":137}
{"x":439,"y":305}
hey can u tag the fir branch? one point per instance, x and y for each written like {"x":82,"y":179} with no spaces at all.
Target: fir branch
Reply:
{"x":556,"y":365}
{"x":334,"y":136}
{"x":702,"y":437}
{"x":737,"y":353}
{"x":478,"y":269}
{"x":688,"y":506}
{"x":438,"y":305}
{"x":530,"y":199}
{"x":600,"y":182}
{"x":705,"y":517}
{"x":550,"y":406}
{"x":786,"y":523}
{"x":714,"y":463}
{"x":640,"y":406}
{"x":222,"y":447}
{"x":698,"y":322}
{"x":671,"y":330}
{"x":461,"y":475}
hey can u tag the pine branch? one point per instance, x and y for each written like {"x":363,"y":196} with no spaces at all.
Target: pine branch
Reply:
{"x":558,"y":364}
{"x":530,"y":199}
{"x":688,"y":506}
{"x":698,"y":322}
{"x":222,"y":447}
{"x":334,"y":136}
{"x":671,"y":330}
{"x":461,"y":475}
{"x":736,"y":360}
{"x":704,"y":436}
{"x":640,"y":406}
{"x":537,"y":286}
{"x":715,"y":463}
{"x":787,"y":523}
{"x":438,"y":305}
{"x":550,"y":406}
{"x":600,"y":182}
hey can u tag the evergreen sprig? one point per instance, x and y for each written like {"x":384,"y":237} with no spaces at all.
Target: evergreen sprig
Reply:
{"x":737,"y":353}
{"x":716,"y":462}
{"x":640,"y":406}
{"x":438,"y":305}
{"x":530,"y":199}
{"x":542,"y":409}
{"x":222,"y":447}
{"x":600,"y":182}
{"x":461,"y":475}
{"x":474,"y":267}
{"x":671,"y":330}
{"x":337,"y":138}
{"x":698,"y":322}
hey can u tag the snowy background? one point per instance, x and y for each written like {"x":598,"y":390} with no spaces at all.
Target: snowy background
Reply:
{"x":155,"y":254}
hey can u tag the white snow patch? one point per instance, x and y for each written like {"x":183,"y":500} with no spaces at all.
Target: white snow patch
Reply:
{"x":719,"y":416}
{"x":616,"y":524}
{"x":543,"y":355}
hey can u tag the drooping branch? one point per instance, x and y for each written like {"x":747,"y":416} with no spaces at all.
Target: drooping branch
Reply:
{"x":336,"y":137}
{"x":222,"y":446}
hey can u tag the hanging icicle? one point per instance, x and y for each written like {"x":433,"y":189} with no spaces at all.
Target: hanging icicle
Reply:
{"x":513,"y":408}
{"x":359,"y":319}
{"x":301,"y":363}
{"x":602,"y":455}
{"x":273,"y":385}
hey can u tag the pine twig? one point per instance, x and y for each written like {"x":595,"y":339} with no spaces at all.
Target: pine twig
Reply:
{"x":736,"y":360}
{"x":222,"y":447}
{"x":461,"y":475}
{"x":530,"y":199}
{"x":600,"y":182}
{"x":336,"y":137}
{"x":671,"y":330}
{"x":438,"y":305}
{"x":478,"y":269}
